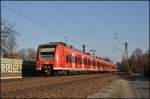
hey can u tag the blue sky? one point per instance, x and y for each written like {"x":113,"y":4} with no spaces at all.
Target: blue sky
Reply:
{"x":100,"y":21}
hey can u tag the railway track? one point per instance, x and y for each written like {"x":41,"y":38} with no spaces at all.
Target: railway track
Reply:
{"x":76,"y":86}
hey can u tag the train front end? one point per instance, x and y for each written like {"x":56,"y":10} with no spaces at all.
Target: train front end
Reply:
{"x":45,"y":58}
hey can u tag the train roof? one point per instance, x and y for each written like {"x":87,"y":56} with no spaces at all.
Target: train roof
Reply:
{"x":52,"y":44}
{"x":70,"y":46}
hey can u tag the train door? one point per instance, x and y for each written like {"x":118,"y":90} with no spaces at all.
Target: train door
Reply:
{"x":82,"y":62}
{"x":73,"y":60}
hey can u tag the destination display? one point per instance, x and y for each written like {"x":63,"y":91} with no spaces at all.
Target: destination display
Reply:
{"x":47,"y":49}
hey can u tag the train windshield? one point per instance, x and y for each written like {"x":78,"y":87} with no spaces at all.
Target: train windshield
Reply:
{"x":47,"y":53}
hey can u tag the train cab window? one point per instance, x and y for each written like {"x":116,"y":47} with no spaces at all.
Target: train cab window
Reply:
{"x":100,"y":64}
{"x":78,"y":60}
{"x":47,"y":55}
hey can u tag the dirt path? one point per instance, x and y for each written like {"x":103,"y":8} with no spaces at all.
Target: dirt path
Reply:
{"x":118,"y":89}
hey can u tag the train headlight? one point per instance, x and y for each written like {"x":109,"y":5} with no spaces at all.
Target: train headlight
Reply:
{"x":37,"y":62}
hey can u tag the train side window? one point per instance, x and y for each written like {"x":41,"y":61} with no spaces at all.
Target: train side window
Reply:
{"x":97,"y":63}
{"x":67,"y":58}
{"x":76,"y":60}
{"x":82,"y":60}
{"x":85,"y":61}
{"x":63,"y":52}
{"x":103,"y":64}
{"x":88,"y":62}
{"x":73,"y":59}
{"x":79,"y":60}
{"x":93,"y":63}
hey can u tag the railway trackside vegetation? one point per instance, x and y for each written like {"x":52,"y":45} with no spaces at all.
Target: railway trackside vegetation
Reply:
{"x":8,"y":38}
{"x":138,"y":63}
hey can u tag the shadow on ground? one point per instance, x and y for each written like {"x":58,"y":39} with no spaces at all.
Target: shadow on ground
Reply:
{"x":134,"y":77}
{"x":137,"y":77}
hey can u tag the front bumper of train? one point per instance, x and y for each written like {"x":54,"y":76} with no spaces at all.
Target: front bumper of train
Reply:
{"x":43,"y":64}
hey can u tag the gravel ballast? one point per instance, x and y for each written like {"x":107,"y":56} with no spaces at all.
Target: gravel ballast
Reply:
{"x":76,"y":86}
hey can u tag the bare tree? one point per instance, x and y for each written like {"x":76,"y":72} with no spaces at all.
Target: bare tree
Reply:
{"x":139,"y":61}
{"x":27,"y":54}
{"x":22,"y":53}
{"x":137,"y":53}
{"x":31,"y":53}
{"x":8,"y":38}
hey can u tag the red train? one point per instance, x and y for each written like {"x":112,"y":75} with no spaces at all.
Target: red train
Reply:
{"x":58,"y":56}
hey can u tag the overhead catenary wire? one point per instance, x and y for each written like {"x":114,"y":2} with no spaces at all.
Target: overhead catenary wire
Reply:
{"x":41,"y":25}
{"x":83,"y":27}
{"x":38,"y":24}
{"x":68,"y":14}
{"x":78,"y":22}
